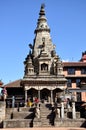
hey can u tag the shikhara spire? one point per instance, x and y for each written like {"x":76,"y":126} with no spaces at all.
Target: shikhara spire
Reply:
{"x":43,"y":59}
{"x":42,"y":21}
{"x":42,"y":39}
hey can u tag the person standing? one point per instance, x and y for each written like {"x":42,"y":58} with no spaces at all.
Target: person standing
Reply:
{"x":4,"y":93}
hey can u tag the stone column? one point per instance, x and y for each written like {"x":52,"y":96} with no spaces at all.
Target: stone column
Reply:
{"x":25,"y":97}
{"x":51,"y":96}
{"x":39,"y":68}
{"x":39,"y":95}
{"x":13,"y":101}
{"x":73,"y":110}
{"x":62,"y":110}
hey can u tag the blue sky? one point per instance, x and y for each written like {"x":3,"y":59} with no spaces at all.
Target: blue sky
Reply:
{"x":18,"y":19}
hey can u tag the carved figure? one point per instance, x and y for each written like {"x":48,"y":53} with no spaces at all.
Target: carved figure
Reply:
{"x":57,"y":112}
{"x":37,"y":112}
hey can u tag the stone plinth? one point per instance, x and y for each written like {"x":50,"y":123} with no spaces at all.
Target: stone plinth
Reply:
{"x":2,"y":112}
{"x":37,"y":122}
{"x":17,"y":123}
{"x":70,"y":123}
{"x":77,"y":115}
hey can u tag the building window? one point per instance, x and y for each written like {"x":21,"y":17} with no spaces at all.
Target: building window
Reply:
{"x":83,"y":71}
{"x":78,"y":82}
{"x":69,"y":83}
{"x":71,"y":71}
{"x":78,"y":96}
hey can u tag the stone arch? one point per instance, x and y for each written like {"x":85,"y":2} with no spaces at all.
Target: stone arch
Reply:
{"x":57,"y":94}
{"x":45,"y":94}
{"x":32,"y":93}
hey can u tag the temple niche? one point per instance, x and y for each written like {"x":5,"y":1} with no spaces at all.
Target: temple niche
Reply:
{"x":43,"y":67}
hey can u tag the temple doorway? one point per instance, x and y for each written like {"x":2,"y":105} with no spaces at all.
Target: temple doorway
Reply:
{"x":32,"y":94}
{"x":57,"y":93}
{"x":45,"y":94}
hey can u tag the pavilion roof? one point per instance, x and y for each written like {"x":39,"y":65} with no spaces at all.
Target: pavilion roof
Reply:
{"x":15,"y":83}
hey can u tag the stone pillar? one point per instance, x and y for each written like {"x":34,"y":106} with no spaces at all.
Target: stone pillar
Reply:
{"x":49,"y":100}
{"x":25,"y":97}
{"x":73,"y":110}
{"x":51,"y":96}
{"x":39,"y":68}
{"x":39,"y":95}
{"x":13,"y":101}
{"x":62,"y":110}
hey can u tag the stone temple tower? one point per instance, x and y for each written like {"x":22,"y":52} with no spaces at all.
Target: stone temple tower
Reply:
{"x":43,"y":75}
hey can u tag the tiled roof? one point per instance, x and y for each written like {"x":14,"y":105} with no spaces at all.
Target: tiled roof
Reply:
{"x":15,"y":83}
{"x":74,"y":64}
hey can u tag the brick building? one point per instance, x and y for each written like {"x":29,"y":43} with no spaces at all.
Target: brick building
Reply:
{"x":75,"y":73}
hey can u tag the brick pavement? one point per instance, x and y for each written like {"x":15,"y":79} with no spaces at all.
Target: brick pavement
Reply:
{"x":46,"y":128}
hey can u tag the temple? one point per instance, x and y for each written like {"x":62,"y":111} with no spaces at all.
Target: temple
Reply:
{"x":50,"y":93}
{"x":43,"y":77}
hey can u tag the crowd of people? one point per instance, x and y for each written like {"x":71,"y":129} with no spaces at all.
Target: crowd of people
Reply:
{"x":30,"y":103}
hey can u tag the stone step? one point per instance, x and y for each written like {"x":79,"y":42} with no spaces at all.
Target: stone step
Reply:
{"x":46,"y":116}
{"x":42,"y":113}
{"x":45,"y":123}
{"x":45,"y":109}
{"x":22,"y":115}
{"x":46,"y":126}
{"x":23,"y":109}
{"x":45,"y":113}
{"x":8,"y":116}
{"x":45,"y":120}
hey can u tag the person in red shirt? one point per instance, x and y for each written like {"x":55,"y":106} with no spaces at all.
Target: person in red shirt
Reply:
{"x":36,"y":101}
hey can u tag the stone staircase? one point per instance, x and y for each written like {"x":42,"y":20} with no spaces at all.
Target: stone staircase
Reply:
{"x":25,"y":117}
{"x":46,"y":115}
{"x":18,"y":118}
{"x":23,"y":113}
